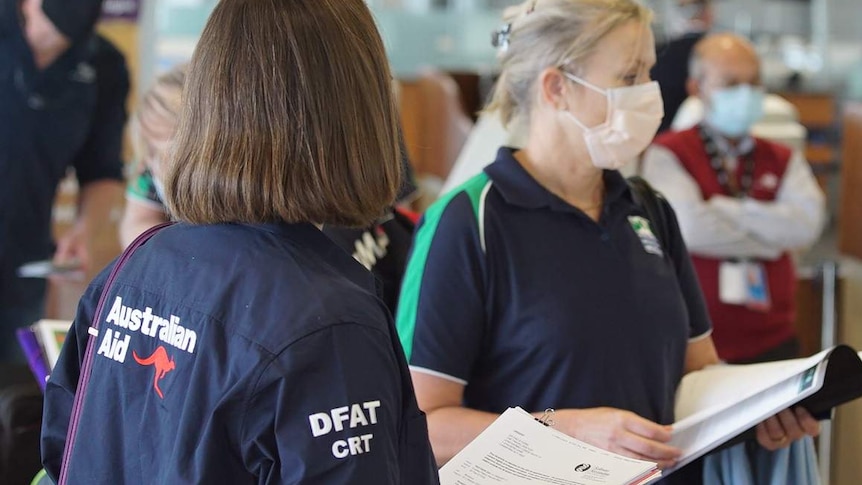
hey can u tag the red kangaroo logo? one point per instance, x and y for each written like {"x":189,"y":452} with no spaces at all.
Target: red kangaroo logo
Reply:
{"x":163,"y":364}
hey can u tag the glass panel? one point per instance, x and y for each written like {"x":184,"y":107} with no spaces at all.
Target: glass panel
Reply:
{"x":453,"y":35}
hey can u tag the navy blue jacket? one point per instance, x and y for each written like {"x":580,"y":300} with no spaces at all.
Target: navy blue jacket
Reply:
{"x":239,"y":354}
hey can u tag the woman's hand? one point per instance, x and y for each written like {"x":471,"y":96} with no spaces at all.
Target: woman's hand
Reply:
{"x":621,"y":432}
{"x":786,"y":427}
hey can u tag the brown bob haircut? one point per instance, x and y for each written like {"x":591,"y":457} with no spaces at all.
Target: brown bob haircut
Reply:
{"x":288,"y":115}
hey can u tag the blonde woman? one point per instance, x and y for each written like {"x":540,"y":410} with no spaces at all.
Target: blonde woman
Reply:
{"x":152,"y":128}
{"x":541,"y":283}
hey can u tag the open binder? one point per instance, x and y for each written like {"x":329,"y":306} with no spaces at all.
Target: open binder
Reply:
{"x":721,"y":405}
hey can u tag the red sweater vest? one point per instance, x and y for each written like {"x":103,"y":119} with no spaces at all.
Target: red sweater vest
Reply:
{"x":740,"y":333}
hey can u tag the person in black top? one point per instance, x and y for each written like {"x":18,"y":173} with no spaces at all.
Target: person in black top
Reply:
{"x":241,"y":345}
{"x":63,"y":92}
{"x":686,"y":23}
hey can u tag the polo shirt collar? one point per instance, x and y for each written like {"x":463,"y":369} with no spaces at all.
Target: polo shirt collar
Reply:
{"x":519,"y":188}
{"x":313,"y":240}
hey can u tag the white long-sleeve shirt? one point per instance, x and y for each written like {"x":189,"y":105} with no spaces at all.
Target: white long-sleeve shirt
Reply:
{"x":727,"y":227}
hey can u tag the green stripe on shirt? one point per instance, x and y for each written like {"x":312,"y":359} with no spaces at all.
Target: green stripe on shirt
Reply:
{"x":143,"y":187}
{"x":408,"y":303}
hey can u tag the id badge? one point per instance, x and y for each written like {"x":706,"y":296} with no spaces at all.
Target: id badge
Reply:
{"x":732,"y":287}
{"x":757,"y":287}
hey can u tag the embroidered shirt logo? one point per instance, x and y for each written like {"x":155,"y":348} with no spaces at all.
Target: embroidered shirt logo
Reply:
{"x":643,"y":230}
{"x":162,"y":364}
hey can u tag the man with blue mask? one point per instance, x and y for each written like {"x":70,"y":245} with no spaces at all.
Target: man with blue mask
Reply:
{"x":743,"y":203}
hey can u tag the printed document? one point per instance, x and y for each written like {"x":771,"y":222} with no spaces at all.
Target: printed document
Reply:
{"x":518,"y":449}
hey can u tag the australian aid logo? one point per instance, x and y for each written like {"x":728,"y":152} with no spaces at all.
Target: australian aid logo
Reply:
{"x":170,"y":334}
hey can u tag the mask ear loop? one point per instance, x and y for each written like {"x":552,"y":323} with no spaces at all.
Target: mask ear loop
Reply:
{"x":593,"y":87}
{"x":584,"y":83}
{"x":571,"y":116}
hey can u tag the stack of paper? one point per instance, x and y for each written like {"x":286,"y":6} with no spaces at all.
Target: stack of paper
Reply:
{"x":518,"y":449}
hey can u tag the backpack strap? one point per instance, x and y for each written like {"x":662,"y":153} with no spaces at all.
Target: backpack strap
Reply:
{"x":650,"y":201}
{"x":93,"y":333}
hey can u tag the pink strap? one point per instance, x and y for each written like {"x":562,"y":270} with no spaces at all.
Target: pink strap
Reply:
{"x":87,"y":362}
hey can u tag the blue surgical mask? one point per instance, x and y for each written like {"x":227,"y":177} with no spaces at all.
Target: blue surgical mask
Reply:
{"x":734,"y":110}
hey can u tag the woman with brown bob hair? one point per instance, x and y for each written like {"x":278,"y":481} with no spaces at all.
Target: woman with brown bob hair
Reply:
{"x":241,"y":345}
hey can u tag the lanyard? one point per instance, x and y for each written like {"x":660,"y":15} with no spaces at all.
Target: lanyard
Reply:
{"x":716,"y":161}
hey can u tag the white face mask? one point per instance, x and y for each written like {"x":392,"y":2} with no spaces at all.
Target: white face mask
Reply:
{"x":634,"y":115}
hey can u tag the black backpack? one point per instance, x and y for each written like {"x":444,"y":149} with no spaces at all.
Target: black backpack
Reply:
{"x":20,"y":428}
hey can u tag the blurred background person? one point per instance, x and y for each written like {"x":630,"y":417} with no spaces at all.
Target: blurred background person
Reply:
{"x":152,"y":128}
{"x":685,"y":22}
{"x":743,"y":204}
{"x":63,"y":92}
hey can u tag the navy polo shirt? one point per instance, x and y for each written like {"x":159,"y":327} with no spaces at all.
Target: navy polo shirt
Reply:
{"x":528,"y":302}
{"x":238,"y":354}
{"x":70,"y":115}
